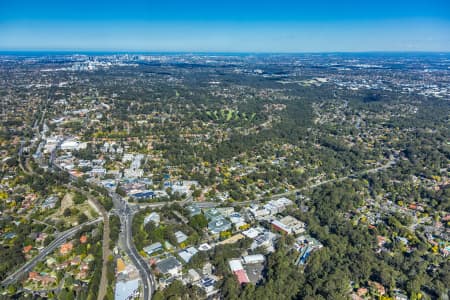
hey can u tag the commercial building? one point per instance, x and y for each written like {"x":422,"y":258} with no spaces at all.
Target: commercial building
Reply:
{"x":289,"y":225}
{"x":295,"y":225}
{"x":71,"y":144}
{"x":143,"y":195}
{"x":126,"y":289}
{"x":97,"y":172}
{"x":278,"y":206}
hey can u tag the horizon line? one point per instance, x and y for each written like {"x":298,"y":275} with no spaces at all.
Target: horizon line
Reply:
{"x":122,"y":51}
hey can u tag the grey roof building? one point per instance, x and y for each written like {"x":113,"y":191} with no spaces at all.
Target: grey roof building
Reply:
{"x":212,"y":214}
{"x":169,"y":266}
{"x":219,"y":225}
{"x":153,"y":248}
{"x":193,"y":210}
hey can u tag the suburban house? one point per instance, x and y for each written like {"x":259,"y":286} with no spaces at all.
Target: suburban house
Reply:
{"x":169,"y":267}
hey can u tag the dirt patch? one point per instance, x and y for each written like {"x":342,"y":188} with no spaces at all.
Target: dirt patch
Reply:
{"x":66,"y":202}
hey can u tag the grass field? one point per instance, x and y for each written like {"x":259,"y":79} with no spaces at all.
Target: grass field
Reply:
{"x":226,"y":115}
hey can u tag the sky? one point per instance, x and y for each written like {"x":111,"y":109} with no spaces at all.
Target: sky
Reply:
{"x":225,"y":26}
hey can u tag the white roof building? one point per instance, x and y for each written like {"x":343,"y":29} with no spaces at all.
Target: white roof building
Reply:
{"x":235,"y":265}
{"x":126,"y":289}
{"x":193,"y":275}
{"x":180,"y":236}
{"x":187,"y":254}
{"x":253,"y":259}
{"x":251,"y":233}
{"x":153,"y":217}
{"x":204,"y":247}
{"x":127,"y":157}
{"x":277,"y":206}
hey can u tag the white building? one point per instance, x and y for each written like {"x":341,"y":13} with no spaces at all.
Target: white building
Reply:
{"x":133,"y":173}
{"x":187,"y":254}
{"x":277,"y":206}
{"x":153,"y":217}
{"x":253,"y":259}
{"x":72,"y":144}
{"x":180,"y":236}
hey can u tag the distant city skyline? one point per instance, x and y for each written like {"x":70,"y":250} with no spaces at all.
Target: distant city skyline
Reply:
{"x":231,"y":26}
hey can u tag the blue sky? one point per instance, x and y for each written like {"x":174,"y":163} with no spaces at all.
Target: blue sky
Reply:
{"x":226,"y":26}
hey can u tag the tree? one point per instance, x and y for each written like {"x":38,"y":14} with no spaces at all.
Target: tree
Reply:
{"x":198,"y":222}
{"x":67,"y":212}
{"x":196,"y":193}
{"x":82,"y":218}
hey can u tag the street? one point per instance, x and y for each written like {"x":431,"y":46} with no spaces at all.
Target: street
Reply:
{"x":126,"y":240}
{"x":58,"y":241}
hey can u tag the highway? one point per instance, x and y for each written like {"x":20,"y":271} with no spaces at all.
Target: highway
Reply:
{"x":58,"y":241}
{"x":125,"y":213}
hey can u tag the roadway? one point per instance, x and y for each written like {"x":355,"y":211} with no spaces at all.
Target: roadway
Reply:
{"x":58,"y":241}
{"x":391,"y":162}
{"x":102,"y":290}
{"x":126,"y":213}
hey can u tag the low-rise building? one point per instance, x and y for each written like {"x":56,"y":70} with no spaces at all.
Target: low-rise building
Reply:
{"x":239,"y":271}
{"x":97,"y":172}
{"x":212,"y":214}
{"x":295,"y":225}
{"x":236,"y":218}
{"x":204,"y":247}
{"x":253,"y":259}
{"x":305,"y":245}
{"x":187,"y":254}
{"x":225,"y":211}
{"x":266,"y":240}
{"x":219,"y":225}
{"x":72,"y":144}
{"x":289,"y":225}
{"x":207,"y":283}
{"x":251,"y":233}
{"x":152,"y":217}
{"x":143,"y":195}
{"x":153,"y":248}
{"x":170,"y":267}
{"x":193,"y":276}
{"x":180,"y":237}
{"x":66,"y":248}
{"x":193,"y":210}
{"x":50,"y":202}
{"x":259,"y":213}
{"x":278,"y":206}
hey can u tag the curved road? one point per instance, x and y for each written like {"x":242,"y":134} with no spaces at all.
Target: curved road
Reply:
{"x":148,"y":282}
{"x":126,"y":240}
{"x":58,"y":241}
